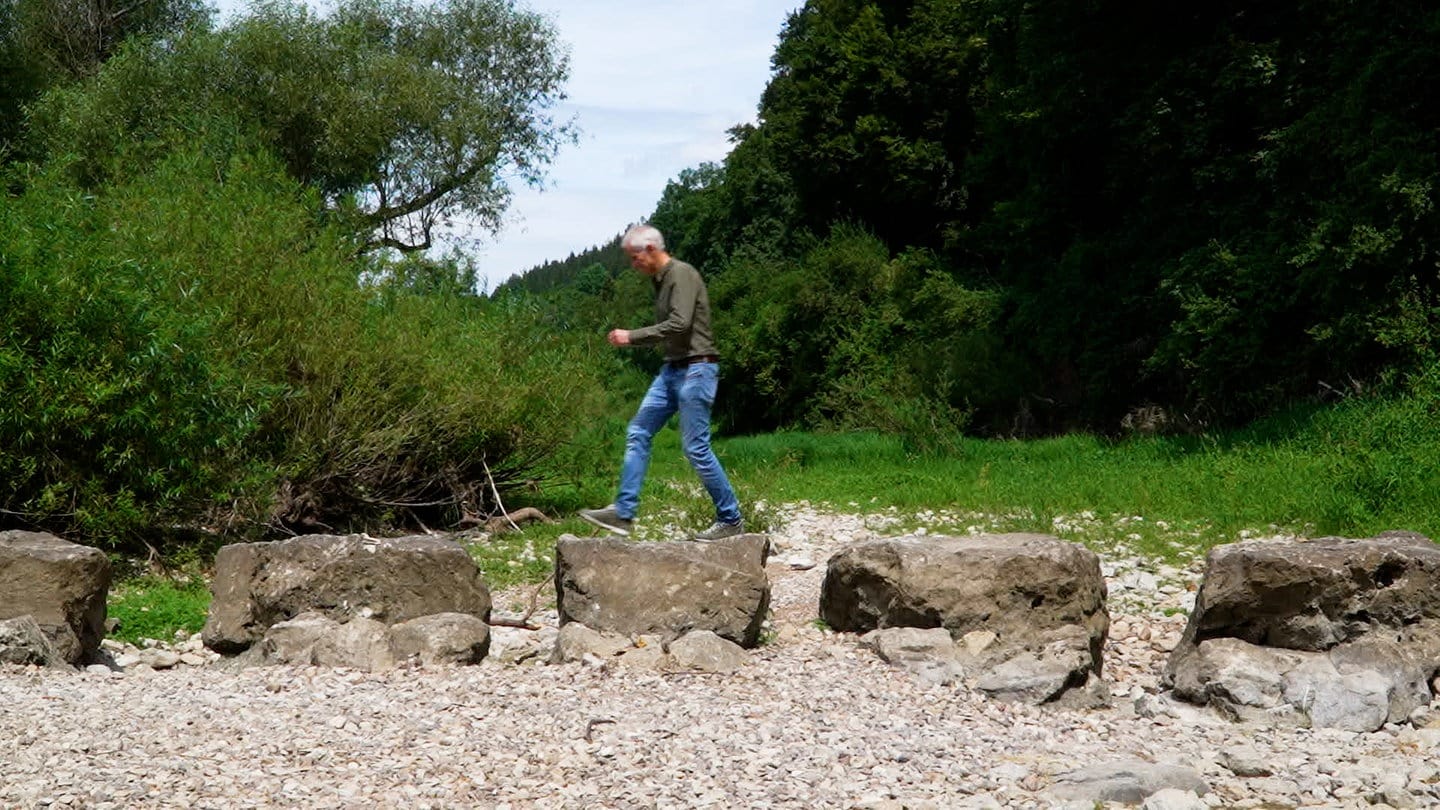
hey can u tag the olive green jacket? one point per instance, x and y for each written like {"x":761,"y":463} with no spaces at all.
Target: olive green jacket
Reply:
{"x":682,"y":314}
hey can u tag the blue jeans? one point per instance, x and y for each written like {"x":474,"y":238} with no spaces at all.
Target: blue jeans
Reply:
{"x":690,"y":391}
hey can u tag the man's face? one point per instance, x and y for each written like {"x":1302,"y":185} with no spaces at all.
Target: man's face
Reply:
{"x":646,"y":259}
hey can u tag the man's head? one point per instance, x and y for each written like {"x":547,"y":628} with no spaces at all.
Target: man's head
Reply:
{"x":646,"y":249}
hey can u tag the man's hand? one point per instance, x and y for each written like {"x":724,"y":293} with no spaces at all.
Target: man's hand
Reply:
{"x":619,"y":337}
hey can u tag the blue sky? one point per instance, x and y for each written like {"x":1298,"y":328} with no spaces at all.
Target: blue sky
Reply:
{"x":654,"y":85}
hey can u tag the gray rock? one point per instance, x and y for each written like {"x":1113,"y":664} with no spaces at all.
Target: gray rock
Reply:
{"x":294,"y":641}
{"x":1244,"y":760}
{"x":667,"y":589}
{"x":705,"y":651}
{"x":1040,"y":676}
{"x":1173,"y":799}
{"x":1359,"y":701}
{"x":1029,"y":609}
{"x":513,"y":645}
{"x":393,"y":580}
{"x":23,"y":642}
{"x":1234,"y":672}
{"x":159,"y":659}
{"x":1312,"y":595}
{"x":360,"y":643}
{"x":576,"y":641}
{"x":1126,"y":782}
{"x":1334,"y":633}
{"x":929,"y":653}
{"x":61,"y":585}
{"x":441,"y":639}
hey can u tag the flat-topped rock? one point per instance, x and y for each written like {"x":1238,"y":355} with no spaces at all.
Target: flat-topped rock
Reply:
{"x":666,"y":589}
{"x":1039,"y":601}
{"x":388,"y":580}
{"x":61,"y":585}
{"x":1333,"y":632}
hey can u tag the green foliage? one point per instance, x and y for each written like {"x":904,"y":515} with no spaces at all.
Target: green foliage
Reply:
{"x":66,"y":40}
{"x":53,"y":43}
{"x":156,"y":607}
{"x":852,"y":338}
{"x":180,"y":349}
{"x":403,"y":115}
{"x":453,"y":275}
{"x":429,"y":403}
{"x":871,"y":111}
{"x":120,"y":414}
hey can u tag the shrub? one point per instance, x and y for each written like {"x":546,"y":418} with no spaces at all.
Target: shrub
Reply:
{"x":195,"y":345}
{"x":118,"y":413}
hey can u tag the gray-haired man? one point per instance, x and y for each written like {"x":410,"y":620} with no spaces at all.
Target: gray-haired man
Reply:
{"x":685,"y":385}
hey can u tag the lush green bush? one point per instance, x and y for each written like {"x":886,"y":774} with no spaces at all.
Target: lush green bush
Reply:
{"x":195,"y":344}
{"x":120,"y":413}
{"x":851,"y":338}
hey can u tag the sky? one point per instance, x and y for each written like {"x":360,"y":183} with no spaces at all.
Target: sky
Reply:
{"x":654,"y":85}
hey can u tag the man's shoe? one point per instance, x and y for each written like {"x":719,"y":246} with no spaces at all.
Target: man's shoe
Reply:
{"x":608,"y":518}
{"x":719,"y":531}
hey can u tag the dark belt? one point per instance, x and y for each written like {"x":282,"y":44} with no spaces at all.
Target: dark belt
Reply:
{"x":699,"y":358}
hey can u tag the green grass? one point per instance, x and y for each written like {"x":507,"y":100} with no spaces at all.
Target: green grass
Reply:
{"x":156,"y":607}
{"x":1355,"y":470}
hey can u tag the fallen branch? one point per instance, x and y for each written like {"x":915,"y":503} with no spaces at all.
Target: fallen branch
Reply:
{"x":520,"y":623}
{"x":595,"y":721}
{"x":496,"y":492}
{"x":504,"y":522}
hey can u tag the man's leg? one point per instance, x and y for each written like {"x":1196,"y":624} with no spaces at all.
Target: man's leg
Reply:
{"x":697,"y":396}
{"x":655,"y":409}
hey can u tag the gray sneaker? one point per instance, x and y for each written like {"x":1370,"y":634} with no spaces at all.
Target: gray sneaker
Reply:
{"x":719,"y":531}
{"x":608,"y":518}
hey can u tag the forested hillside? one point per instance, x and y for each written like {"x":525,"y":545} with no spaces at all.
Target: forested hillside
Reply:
{"x":1023,"y":218}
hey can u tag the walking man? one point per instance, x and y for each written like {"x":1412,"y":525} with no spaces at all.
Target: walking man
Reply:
{"x":686,"y":385}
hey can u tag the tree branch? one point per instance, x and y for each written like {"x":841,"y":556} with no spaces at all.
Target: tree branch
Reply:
{"x":386,"y":213}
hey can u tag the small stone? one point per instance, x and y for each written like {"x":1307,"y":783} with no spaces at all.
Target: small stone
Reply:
{"x":1244,"y":761}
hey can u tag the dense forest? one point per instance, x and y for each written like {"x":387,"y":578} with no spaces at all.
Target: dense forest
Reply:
{"x":1020,"y":218}
{"x":222,"y":310}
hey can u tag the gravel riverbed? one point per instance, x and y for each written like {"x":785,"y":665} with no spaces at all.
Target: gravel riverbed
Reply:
{"x":813,"y":721}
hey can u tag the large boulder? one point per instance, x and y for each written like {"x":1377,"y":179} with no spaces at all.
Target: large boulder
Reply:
{"x":665,"y":589}
{"x":390,"y":581}
{"x":1334,"y":632}
{"x":61,"y":585}
{"x":1038,"y":602}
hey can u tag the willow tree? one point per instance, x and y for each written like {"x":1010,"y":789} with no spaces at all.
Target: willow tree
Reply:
{"x":402,"y":114}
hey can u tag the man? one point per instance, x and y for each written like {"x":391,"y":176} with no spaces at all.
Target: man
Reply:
{"x":686,"y":385}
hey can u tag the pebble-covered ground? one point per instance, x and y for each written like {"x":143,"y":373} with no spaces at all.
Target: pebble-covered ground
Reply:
{"x":813,"y":721}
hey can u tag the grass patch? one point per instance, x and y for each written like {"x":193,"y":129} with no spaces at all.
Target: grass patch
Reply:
{"x":156,"y":607}
{"x":514,"y":558}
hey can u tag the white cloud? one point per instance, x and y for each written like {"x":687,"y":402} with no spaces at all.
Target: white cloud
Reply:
{"x":654,"y":87}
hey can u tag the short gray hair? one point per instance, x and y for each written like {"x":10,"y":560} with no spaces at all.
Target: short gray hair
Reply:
{"x":640,"y":237}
